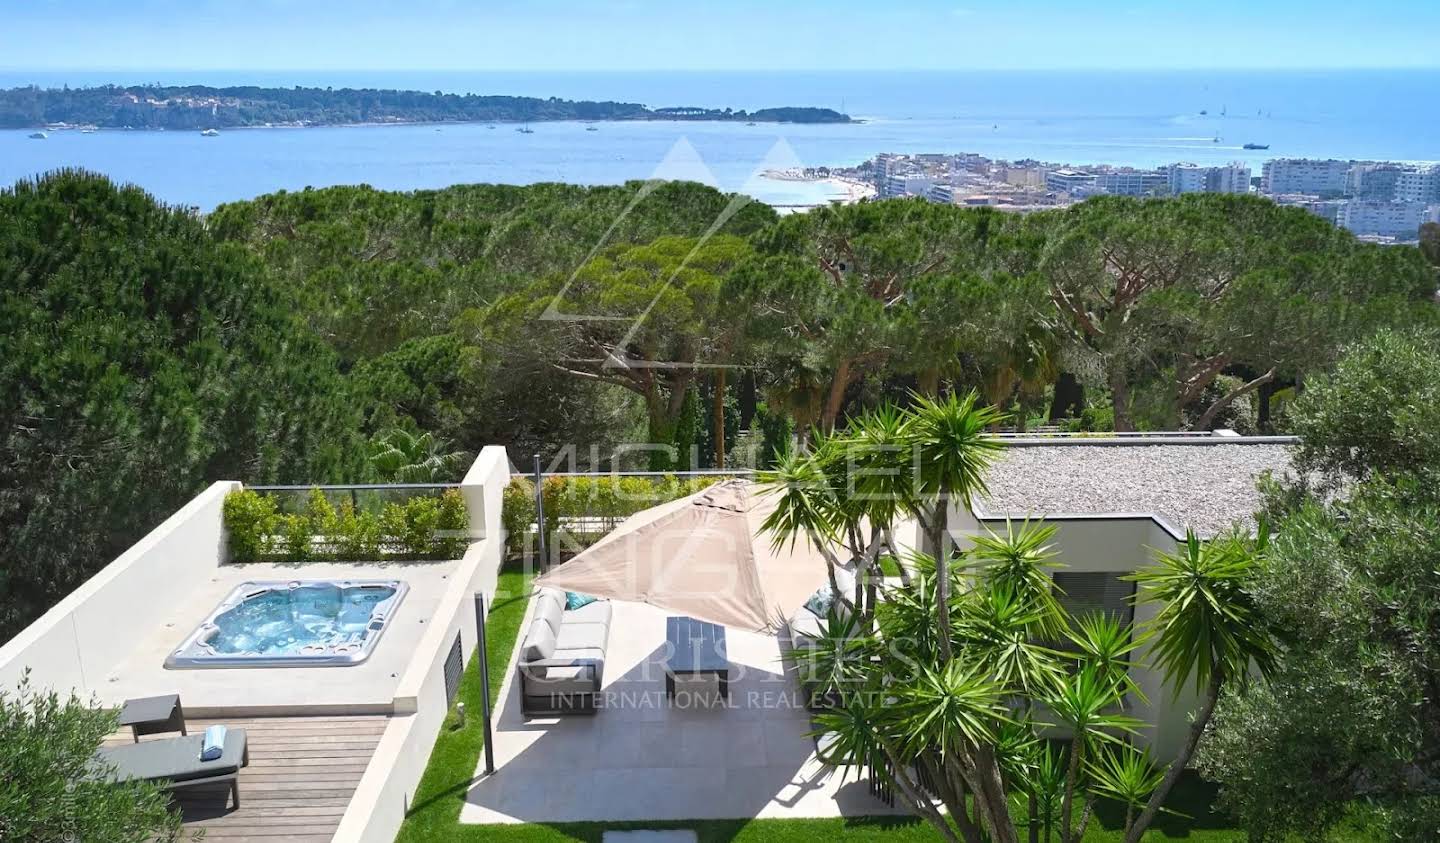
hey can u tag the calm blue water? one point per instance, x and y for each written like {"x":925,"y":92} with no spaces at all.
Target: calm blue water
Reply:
{"x":1144,"y":119}
{"x":283,"y":622}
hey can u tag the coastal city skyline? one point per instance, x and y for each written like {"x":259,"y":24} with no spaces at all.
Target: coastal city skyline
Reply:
{"x":747,"y":34}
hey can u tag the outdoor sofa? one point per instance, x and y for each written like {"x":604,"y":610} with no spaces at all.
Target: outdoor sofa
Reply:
{"x":176,"y":762}
{"x":562,"y":659}
{"x":806,"y":626}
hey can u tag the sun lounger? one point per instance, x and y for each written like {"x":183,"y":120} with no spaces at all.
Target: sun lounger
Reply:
{"x":177,"y":762}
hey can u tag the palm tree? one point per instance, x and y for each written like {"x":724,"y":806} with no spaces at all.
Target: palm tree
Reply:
{"x":948,"y":442}
{"x":399,"y":456}
{"x":1207,"y":628}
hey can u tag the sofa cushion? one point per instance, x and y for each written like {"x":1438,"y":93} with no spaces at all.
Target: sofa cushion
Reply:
{"x":570,"y":679}
{"x":582,"y":636}
{"x":551,"y":612}
{"x":805,"y":627}
{"x":540,"y":641}
{"x":597,"y":612}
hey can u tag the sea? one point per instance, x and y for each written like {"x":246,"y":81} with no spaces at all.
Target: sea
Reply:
{"x":1141,"y":119}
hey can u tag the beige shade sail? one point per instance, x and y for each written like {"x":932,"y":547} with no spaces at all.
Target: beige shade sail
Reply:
{"x":701,"y":556}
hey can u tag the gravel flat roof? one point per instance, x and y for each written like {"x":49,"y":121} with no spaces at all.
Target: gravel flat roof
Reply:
{"x":1204,"y":487}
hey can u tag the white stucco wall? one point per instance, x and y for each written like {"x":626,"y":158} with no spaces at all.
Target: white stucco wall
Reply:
{"x":387,"y":788}
{"x":72,"y":646}
{"x":1119,"y":543}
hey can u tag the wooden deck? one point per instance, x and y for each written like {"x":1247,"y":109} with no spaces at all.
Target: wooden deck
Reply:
{"x":302,"y":773}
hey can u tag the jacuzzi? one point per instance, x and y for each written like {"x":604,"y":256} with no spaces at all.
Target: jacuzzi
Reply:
{"x":293,"y":623}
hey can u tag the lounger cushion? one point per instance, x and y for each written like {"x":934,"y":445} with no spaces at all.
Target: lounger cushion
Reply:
{"x":176,"y":759}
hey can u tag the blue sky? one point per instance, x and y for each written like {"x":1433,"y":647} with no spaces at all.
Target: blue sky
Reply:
{"x":702,"y":35}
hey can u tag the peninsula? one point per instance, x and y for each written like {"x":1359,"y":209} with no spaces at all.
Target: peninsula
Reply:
{"x":201,"y":107}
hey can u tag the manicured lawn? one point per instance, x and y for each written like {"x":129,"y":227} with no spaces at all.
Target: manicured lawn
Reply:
{"x":436,"y":812}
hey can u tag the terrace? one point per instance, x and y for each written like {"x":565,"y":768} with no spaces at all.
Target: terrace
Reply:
{"x":339,"y":752}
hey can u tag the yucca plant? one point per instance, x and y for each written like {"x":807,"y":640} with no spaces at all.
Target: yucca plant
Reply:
{"x":948,"y":440}
{"x":1126,"y":775}
{"x":1086,"y":702}
{"x":1022,"y":560}
{"x":1207,"y":628}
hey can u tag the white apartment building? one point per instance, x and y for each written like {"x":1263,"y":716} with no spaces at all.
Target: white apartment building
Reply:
{"x":1329,"y":177}
{"x":1069,"y":181}
{"x":1132,"y":183}
{"x":1374,"y":180}
{"x":1193,"y":178}
{"x":1417,"y":184}
{"x":910,"y":184}
{"x":1400,"y":220}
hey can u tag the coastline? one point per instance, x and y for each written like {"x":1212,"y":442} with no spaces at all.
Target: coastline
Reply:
{"x":373,"y":124}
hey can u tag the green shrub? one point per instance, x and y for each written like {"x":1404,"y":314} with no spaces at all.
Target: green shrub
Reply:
{"x":48,"y":790}
{"x":517,"y":512}
{"x":454,"y":525}
{"x":356,"y":536}
{"x":295,"y":538}
{"x":1097,"y":419}
{"x":320,"y":514}
{"x":249,"y":518}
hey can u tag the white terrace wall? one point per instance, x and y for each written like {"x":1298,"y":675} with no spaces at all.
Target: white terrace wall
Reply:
{"x":1111,"y":543}
{"x":80,"y":639}
{"x":387,"y":789}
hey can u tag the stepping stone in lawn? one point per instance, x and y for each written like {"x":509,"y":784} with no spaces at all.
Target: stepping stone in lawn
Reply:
{"x":681,"y":835}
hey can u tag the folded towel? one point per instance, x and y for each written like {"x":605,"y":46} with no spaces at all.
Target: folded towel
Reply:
{"x":214,"y":744}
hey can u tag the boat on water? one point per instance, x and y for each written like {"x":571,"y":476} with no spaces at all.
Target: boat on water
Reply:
{"x":491,"y":126}
{"x":38,"y":136}
{"x":210,"y":133}
{"x":1257,"y":146}
{"x":591,"y":129}
{"x":525,"y":130}
{"x":750,"y":123}
{"x":89,"y":130}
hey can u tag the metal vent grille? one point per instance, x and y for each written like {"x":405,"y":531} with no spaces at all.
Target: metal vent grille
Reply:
{"x":454,"y":666}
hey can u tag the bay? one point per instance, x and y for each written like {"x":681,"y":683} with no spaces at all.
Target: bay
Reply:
{"x":1139,"y":119}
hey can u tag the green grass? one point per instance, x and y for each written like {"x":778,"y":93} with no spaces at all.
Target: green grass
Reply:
{"x":435,"y":815}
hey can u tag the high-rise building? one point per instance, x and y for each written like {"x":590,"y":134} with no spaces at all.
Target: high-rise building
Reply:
{"x":1329,"y":177}
{"x":1132,"y":183}
{"x":1417,"y":184}
{"x":1400,"y":220}
{"x":1373,"y":180}
{"x":1069,"y":181}
{"x":1193,"y":178}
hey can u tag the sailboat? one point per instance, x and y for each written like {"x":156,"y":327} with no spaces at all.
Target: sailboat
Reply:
{"x":526,"y":130}
{"x":38,"y":136}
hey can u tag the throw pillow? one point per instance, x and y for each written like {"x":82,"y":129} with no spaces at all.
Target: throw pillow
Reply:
{"x":821,"y":601}
{"x":575,"y":600}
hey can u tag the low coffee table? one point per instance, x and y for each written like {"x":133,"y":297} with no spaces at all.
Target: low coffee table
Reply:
{"x":696,"y":648}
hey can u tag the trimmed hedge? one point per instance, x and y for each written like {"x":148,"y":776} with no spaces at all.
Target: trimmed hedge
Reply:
{"x":587,"y":506}
{"x":420,"y":528}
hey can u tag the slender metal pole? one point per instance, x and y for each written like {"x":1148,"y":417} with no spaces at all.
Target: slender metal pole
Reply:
{"x":540,"y":515}
{"x":484,"y":658}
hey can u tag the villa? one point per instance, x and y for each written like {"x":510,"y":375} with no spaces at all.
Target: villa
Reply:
{"x":340,"y":730}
